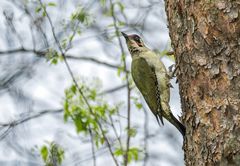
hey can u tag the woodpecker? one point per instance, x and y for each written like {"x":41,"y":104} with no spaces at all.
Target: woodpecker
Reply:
{"x":152,"y":80}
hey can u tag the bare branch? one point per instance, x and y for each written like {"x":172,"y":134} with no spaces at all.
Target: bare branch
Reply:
{"x":9,"y":18}
{"x":92,"y":146}
{"x":40,"y":53}
{"x":14,"y":123}
{"x":112,"y":90}
{"x":146,"y":137}
{"x":128,"y":84}
{"x":90,"y":59}
{"x":30,"y":117}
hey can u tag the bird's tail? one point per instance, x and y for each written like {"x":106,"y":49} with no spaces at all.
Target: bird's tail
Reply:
{"x":177,"y":124}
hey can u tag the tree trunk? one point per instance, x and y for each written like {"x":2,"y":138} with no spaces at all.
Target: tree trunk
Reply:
{"x":205,"y":37}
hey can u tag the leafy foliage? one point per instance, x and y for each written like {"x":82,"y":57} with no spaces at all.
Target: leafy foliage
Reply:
{"x":76,"y":109}
{"x":52,"y":154}
{"x":82,"y":15}
{"x":53,"y":56}
{"x":133,"y":153}
{"x":42,"y":8}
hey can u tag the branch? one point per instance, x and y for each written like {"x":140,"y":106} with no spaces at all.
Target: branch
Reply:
{"x":34,"y":23}
{"x":25,"y":119}
{"x":14,"y":123}
{"x":146,"y":136}
{"x":92,"y":146}
{"x":128,"y":85}
{"x":40,"y":53}
{"x":112,"y":90}
{"x":90,"y":59}
{"x":9,"y":19}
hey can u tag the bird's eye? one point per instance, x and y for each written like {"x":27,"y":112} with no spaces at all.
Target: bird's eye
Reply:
{"x":137,"y":39}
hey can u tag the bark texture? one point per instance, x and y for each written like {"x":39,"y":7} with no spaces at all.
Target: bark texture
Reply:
{"x":205,"y":37}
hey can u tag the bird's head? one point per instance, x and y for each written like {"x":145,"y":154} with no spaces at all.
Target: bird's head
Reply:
{"x":134,"y":42}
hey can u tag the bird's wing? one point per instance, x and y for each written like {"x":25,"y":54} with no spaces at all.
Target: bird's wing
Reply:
{"x":146,"y":81}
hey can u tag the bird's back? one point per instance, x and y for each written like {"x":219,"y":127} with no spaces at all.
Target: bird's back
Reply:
{"x":150,"y":77}
{"x":153,"y":64}
{"x":145,"y":81}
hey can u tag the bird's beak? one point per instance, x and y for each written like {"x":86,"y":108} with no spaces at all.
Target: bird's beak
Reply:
{"x":125,"y":35}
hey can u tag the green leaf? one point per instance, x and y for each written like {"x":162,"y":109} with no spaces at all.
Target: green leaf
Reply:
{"x":52,"y":4}
{"x":73,"y":89}
{"x":53,"y":56}
{"x":133,"y":154}
{"x":120,"y":70}
{"x":54,"y":61}
{"x":44,"y":153}
{"x":118,"y":152}
{"x":81,"y":124}
{"x":93,"y":94}
{"x":112,"y":111}
{"x":60,"y":154}
{"x":65,"y":116}
{"x":51,"y":151}
{"x":44,"y":13}
{"x":121,"y":23}
{"x":38,"y":9}
{"x":66,"y":110}
{"x":132,"y":132}
{"x":71,"y":37}
{"x":102,"y":140}
{"x":78,"y":125}
{"x":81,"y":16}
{"x":96,"y":141}
{"x":139,"y":105}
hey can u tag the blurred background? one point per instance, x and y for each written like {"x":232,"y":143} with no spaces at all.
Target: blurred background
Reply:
{"x":46,"y":46}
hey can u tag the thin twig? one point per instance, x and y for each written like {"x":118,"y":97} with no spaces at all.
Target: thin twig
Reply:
{"x":128,"y":85}
{"x":146,"y":136}
{"x":36,"y":115}
{"x":112,"y":90}
{"x":90,"y":59}
{"x":93,"y":149}
{"x":5,"y":133}
{"x":14,"y":123}
{"x":34,"y":22}
{"x":10,"y":23}
{"x":72,"y":36}
{"x":115,"y":132}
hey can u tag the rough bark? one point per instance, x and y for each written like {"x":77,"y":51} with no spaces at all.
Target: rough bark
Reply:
{"x":205,"y":37}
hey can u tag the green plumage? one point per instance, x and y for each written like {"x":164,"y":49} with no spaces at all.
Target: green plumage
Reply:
{"x":152,"y":80}
{"x":146,"y":81}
